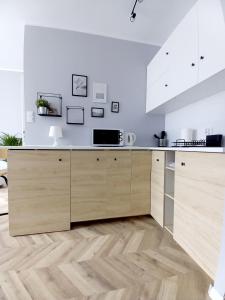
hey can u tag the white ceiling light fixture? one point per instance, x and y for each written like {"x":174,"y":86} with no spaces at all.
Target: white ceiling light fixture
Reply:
{"x":133,"y":13}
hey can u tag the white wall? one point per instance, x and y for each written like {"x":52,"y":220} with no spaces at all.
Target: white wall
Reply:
{"x":11,"y":103}
{"x":207,"y":113}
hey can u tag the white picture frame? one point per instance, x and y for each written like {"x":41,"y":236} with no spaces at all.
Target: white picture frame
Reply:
{"x":99,"y":92}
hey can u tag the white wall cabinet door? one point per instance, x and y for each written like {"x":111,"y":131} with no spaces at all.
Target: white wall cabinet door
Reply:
{"x":211,"y":38}
{"x":183,"y":72}
{"x":158,"y":92}
{"x":160,"y":63}
{"x":179,"y":60}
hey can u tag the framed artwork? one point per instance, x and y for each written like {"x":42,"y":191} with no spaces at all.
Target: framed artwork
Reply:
{"x":99,"y":92}
{"x":75,"y":115}
{"x":115,"y":107}
{"x":79,"y":85}
{"x":97,"y":112}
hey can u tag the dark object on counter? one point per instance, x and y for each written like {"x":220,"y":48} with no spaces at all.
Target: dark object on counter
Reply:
{"x":163,"y":135}
{"x":214,"y":140}
{"x":162,"y":140}
{"x":193,"y":143}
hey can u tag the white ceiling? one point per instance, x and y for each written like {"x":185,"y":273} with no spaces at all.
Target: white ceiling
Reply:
{"x":155,"y":20}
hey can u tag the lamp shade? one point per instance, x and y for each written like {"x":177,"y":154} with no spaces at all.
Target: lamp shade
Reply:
{"x":55,"y":131}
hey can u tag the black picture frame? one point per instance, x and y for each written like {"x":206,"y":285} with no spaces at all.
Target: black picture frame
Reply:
{"x":83,"y":88}
{"x":100,"y":114}
{"x":113,"y":109}
{"x":80,"y":115}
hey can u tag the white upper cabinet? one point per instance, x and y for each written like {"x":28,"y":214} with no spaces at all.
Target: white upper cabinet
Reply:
{"x":211,"y":38}
{"x":185,"y":55}
{"x":195,"y":51}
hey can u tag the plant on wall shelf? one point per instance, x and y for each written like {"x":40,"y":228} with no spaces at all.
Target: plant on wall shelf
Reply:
{"x":10,"y":140}
{"x":42,"y":106}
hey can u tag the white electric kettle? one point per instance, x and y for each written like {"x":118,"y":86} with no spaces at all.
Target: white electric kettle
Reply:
{"x":130,"y":138}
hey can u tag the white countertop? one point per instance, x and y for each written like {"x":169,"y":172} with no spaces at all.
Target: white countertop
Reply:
{"x":189,"y":149}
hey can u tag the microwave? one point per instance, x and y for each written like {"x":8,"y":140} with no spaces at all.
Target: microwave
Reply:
{"x":108,"y":137}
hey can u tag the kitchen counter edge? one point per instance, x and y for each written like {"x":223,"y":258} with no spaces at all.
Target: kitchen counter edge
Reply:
{"x":190,"y":149}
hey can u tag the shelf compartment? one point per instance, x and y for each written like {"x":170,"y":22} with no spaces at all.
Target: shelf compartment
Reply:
{"x":169,"y":213}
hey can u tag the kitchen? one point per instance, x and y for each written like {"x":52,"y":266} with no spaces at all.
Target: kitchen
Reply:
{"x":114,"y":177}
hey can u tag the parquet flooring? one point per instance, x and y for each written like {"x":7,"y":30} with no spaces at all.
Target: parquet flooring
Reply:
{"x":125,"y":259}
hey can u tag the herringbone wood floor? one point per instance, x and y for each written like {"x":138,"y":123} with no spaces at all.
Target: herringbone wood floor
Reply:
{"x":126,"y":259}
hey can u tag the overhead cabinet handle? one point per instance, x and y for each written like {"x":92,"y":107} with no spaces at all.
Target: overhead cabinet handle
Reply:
{"x":60,"y":159}
{"x":183,"y":164}
{"x":193,"y":64}
{"x":97,"y":159}
{"x":115,"y":158}
{"x":202,"y":57}
{"x":157,"y":159}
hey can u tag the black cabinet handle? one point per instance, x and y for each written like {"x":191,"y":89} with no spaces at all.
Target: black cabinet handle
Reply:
{"x":183,"y":164}
{"x":157,"y":159}
{"x":166,"y":85}
{"x":202,"y":57}
{"x":97,"y":159}
{"x":193,"y":64}
{"x":167,"y":53}
{"x":115,"y":158}
{"x":60,"y":159}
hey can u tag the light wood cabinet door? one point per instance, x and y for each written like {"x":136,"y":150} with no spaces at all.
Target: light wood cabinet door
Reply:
{"x":118,"y":184}
{"x":39,"y":191}
{"x":141,"y":182}
{"x":198,"y":209}
{"x":89,"y":185}
{"x":157,"y":186}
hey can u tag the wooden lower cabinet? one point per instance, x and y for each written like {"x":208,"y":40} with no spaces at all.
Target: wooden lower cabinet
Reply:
{"x":199,"y":206}
{"x":157,"y":186}
{"x":106,"y":184}
{"x":141,"y":182}
{"x":39,"y":191}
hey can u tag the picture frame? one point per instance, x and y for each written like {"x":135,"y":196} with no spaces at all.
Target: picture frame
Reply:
{"x":115,"y":107}
{"x":79,"y":85}
{"x":75,"y":115}
{"x":99,"y":92}
{"x":97,"y":112}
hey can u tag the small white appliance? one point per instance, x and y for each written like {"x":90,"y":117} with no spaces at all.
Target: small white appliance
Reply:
{"x":130,"y":138}
{"x":108,"y":137}
{"x":56,"y":133}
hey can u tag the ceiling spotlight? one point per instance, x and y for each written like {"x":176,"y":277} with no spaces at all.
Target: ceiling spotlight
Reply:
{"x":133,"y":13}
{"x":132,"y":17}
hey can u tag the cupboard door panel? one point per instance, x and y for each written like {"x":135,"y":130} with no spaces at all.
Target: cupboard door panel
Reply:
{"x":118,"y":184}
{"x":183,"y":72}
{"x":157,"y":186}
{"x":211,"y":38}
{"x":199,"y":201}
{"x":88,"y":185}
{"x":39,"y":191}
{"x":140,"y":182}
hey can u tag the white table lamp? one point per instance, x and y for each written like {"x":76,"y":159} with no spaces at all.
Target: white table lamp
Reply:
{"x":56,"y":133}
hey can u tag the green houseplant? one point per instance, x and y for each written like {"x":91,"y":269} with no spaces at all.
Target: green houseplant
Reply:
{"x":42,"y":106}
{"x":10,"y":140}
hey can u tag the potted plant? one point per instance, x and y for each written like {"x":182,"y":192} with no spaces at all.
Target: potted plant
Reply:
{"x":10,"y":140}
{"x":42,"y":106}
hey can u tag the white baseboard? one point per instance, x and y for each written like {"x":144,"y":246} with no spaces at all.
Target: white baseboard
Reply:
{"x":214,"y":295}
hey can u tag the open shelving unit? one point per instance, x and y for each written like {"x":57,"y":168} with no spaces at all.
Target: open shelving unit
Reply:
{"x":169,"y":191}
